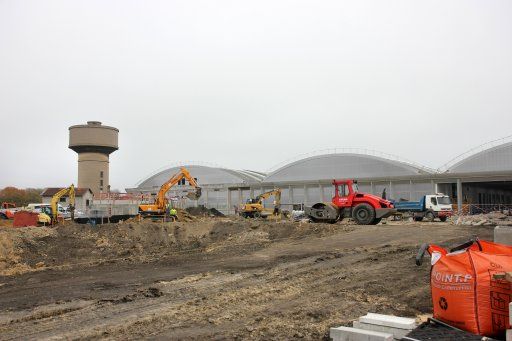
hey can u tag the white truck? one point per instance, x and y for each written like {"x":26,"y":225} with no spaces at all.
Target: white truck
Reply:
{"x":430,"y":207}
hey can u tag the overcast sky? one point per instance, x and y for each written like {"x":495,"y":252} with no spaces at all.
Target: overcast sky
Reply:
{"x":248,"y":84}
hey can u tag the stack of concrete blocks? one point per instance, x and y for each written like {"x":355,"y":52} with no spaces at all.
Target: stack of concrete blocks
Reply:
{"x":503,"y":235}
{"x":355,"y":334}
{"x":375,"y":327}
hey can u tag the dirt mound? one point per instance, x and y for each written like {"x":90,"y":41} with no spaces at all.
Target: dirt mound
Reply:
{"x":6,"y":222}
{"x":216,"y":213}
{"x":32,"y":248}
{"x":203,"y":211}
{"x":13,"y":246}
{"x":272,"y":230}
{"x":184,"y":215}
{"x":36,"y":248}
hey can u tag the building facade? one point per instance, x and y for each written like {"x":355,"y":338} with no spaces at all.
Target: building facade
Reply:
{"x":479,"y":180}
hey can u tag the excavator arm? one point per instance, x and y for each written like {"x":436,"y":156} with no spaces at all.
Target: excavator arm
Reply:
{"x":276,"y":192}
{"x":70,"y":191}
{"x":161,"y":201}
{"x":194,"y":195}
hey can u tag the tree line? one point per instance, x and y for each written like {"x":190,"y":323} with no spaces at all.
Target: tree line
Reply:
{"x":21,"y":197}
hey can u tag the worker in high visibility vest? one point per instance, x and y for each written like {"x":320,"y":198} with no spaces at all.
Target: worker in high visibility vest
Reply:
{"x":172,"y":213}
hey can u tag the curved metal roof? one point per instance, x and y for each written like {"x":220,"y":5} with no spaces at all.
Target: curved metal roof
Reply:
{"x":206,"y":175}
{"x":494,"y":156}
{"x":344,"y":165}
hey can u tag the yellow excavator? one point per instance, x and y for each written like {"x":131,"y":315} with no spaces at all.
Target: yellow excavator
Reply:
{"x":54,"y":204}
{"x":160,"y":204}
{"x":253,"y":208}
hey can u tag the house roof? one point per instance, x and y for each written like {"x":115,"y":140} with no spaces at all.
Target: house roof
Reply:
{"x":51,"y":191}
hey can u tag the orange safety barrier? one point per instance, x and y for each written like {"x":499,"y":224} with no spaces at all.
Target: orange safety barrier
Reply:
{"x":470,"y":290}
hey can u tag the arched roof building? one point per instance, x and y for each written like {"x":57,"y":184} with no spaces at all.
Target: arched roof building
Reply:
{"x":205,"y":175}
{"x":343,"y":165}
{"x":494,"y":159}
{"x":482,"y":176}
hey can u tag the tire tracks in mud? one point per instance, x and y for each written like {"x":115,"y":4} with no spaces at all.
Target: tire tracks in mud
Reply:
{"x":300,"y":286}
{"x":268,"y":292}
{"x":91,"y":320}
{"x":88,"y":321}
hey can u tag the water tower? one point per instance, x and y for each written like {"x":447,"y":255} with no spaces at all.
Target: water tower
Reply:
{"x":94,"y":143}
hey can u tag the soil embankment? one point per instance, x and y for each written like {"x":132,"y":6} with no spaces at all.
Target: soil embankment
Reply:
{"x":211,"y":278}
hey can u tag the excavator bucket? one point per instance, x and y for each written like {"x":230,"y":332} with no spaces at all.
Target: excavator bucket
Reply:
{"x":194,"y":195}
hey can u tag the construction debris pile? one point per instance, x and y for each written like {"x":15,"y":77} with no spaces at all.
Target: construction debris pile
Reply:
{"x":490,"y":219}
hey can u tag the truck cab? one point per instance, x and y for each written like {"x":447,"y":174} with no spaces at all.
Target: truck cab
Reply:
{"x":438,"y":203}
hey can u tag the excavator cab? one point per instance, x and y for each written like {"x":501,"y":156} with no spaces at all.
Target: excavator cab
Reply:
{"x":46,"y":210}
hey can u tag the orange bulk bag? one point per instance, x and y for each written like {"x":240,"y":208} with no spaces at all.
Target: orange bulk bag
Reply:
{"x":469,"y":289}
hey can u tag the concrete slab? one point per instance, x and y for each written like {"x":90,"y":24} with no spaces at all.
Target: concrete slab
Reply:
{"x":398,"y":333}
{"x":509,"y":335}
{"x":510,"y":313}
{"x":354,"y":334}
{"x":503,"y":235}
{"x":389,"y":321}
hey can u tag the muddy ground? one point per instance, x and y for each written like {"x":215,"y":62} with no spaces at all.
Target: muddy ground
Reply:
{"x":211,"y":278}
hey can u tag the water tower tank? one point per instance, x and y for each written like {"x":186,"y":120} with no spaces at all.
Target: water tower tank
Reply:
{"x":94,"y":143}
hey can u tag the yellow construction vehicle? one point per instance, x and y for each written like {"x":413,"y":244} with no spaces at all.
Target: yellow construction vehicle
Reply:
{"x":253,"y":208}
{"x":44,"y":219}
{"x":54,"y":205}
{"x":160,"y":205}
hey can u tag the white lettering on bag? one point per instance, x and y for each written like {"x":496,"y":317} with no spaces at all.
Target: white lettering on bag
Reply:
{"x":451,"y":278}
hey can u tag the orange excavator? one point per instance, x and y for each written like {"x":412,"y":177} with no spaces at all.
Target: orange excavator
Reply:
{"x":160,"y":204}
